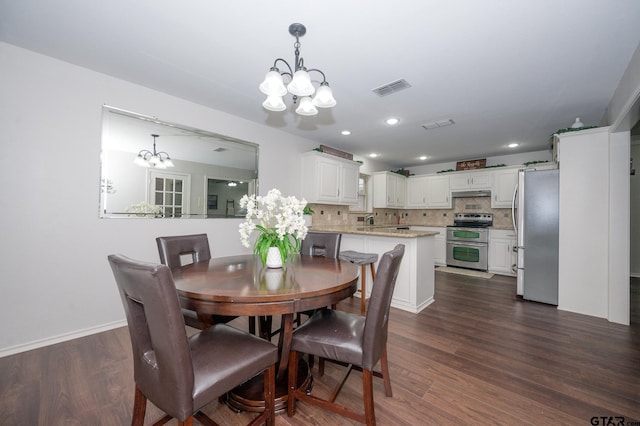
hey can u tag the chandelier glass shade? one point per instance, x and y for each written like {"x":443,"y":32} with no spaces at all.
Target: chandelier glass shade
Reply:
{"x":300,"y":85}
{"x":159,"y":160}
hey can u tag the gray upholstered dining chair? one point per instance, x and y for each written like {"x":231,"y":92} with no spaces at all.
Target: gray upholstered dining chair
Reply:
{"x":181,"y":374}
{"x":325,"y":244}
{"x":179,"y":251}
{"x":350,"y":339}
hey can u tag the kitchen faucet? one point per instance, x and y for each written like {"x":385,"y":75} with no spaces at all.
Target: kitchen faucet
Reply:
{"x":368,"y":218}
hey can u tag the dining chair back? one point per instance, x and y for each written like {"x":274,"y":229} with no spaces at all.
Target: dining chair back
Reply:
{"x":360,"y":342}
{"x":174,"y":250}
{"x":181,"y":374}
{"x":178,"y":251}
{"x":325,"y":244}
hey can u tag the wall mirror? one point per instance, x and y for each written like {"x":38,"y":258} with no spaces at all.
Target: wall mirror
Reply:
{"x":157,"y":169}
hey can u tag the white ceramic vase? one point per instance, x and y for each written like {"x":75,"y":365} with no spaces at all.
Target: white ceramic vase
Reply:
{"x":273,"y":258}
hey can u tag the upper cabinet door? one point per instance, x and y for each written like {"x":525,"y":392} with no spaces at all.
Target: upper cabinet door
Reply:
{"x":389,"y":190}
{"x":350,"y":175}
{"x":470,"y":180}
{"x":329,"y":180}
{"x":438,"y":192}
{"x":417,"y":192}
{"x":504,"y":184}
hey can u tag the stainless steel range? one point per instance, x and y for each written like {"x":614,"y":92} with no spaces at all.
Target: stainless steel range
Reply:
{"x":467,"y":240}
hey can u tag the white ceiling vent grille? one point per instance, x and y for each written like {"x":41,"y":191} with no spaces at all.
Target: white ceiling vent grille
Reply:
{"x":393,"y":87}
{"x":439,"y":123}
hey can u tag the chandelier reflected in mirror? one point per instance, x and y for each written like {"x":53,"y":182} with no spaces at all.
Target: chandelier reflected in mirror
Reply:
{"x":159,"y":160}
{"x":300,"y":85}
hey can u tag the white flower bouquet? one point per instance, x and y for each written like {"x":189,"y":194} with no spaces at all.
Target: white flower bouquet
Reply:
{"x":279,"y":220}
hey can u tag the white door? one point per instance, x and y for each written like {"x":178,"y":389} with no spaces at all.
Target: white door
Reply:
{"x":171,"y":191}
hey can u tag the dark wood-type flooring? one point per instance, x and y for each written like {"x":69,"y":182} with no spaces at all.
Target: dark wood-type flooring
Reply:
{"x":478,"y":355}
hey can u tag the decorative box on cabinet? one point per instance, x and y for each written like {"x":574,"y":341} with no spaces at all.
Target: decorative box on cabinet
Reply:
{"x":327,"y":179}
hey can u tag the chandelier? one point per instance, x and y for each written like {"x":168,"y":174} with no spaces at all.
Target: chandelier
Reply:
{"x":159,"y":160}
{"x":300,"y":85}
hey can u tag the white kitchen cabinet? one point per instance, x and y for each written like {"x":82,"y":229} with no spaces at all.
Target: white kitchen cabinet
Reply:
{"x":389,"y":190}
{"x":327,"y":179}
{"x":415,"y":284}
{"x":461,"y":181}
{"x":440,"y":243}
{"x":502,"y":257}
{"x":504,"y":183}
{"x":438,"y":192}
{"x":417,"y":192}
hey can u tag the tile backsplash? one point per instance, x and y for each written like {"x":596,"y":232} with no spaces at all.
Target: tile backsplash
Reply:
{"x":325,"y":214}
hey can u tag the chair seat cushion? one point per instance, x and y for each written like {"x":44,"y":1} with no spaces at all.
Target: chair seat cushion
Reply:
{"x":331,"y":334}
{"x":358,"y":257}
{"x":223,"y":357}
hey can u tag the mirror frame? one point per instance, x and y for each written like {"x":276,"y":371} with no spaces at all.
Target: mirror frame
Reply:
{"x":197,"y":201}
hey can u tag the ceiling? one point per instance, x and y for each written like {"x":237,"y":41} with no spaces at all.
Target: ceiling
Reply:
{"x":503,"y":71}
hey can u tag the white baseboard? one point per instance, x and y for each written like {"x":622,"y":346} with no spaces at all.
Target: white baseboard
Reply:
{"x":60,"y":338}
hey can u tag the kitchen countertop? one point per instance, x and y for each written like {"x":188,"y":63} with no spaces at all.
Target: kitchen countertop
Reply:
{"x":377,"y":230}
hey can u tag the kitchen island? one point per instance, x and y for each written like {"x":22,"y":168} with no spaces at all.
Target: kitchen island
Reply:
{"x":415,"y":284}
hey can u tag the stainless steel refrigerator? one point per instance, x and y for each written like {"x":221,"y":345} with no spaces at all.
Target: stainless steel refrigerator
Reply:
{"x":535,"y":215}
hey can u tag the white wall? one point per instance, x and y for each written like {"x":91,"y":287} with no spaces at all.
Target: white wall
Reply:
{"x":634,"y":199}
{"x":619,"y":227}
{"x":509,"y":160}
{"x":583,"y":281}
{"x":56,"y":282}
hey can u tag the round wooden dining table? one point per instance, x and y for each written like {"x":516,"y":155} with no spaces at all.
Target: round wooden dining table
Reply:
{"x":241,"y":286}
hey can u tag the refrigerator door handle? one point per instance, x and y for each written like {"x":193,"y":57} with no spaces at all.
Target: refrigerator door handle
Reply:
{"x":513,"y":208}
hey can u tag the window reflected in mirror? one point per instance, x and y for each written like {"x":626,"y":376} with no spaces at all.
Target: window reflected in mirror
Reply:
{"x":157,"y":169}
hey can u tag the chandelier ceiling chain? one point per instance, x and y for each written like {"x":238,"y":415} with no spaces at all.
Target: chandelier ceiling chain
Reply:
{"x":300,"y":85}
{"x":159,"y":160}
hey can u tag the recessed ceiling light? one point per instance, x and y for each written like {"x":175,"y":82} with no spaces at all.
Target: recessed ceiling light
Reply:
{"x":346,"y":132}
{"x":373,"y":155}
{"x":422,"y":157}
{"x":392,"y":121}
{"x":513,"y":145}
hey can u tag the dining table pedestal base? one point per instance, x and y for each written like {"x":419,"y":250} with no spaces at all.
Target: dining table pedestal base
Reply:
{"x":249,"y":396}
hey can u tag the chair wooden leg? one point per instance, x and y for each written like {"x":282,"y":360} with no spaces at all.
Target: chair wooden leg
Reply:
{"x":269,"y":395}
{"x":292,"y":383}
{"x":139,"y":408}
{"x":367,"y":391}
{"x":386,"y":377}
{"x":363,"y":289}
{"x":187,"y":422}
{"x":252,"y":325}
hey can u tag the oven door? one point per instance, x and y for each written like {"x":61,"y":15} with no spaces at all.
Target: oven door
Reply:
{"x":467,"y":255}
{"x":473,"y":235}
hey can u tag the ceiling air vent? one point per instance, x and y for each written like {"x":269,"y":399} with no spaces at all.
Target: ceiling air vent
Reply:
{"x":439,"y":123}
{"x":389,"y":88}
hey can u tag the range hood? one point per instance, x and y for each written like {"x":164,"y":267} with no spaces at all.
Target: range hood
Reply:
{"x":477,"y":193}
